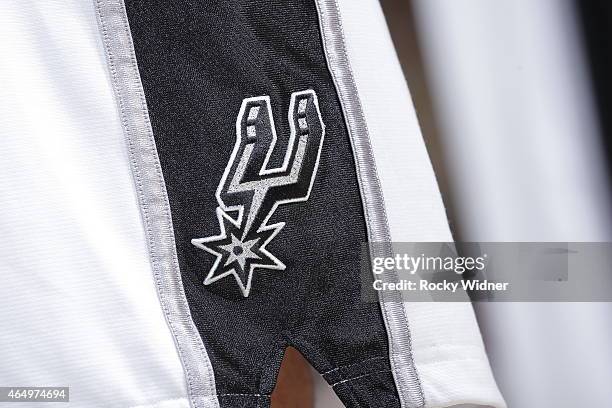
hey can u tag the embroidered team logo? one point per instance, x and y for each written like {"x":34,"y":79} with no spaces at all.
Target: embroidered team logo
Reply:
{"x":251,"y":190}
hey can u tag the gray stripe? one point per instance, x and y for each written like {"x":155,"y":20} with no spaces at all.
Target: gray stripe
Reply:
{"x":400,"y":347}
{"x":153,"y":199}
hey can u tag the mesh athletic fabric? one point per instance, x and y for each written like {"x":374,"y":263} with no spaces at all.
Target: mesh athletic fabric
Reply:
{"x":198,"y":61}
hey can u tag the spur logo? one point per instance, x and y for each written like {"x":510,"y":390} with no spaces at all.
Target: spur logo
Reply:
{"x":251,"y":190}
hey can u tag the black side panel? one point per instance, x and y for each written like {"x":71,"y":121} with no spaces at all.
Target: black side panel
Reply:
{"x":198,"y":62}
{"x":596,"y":18}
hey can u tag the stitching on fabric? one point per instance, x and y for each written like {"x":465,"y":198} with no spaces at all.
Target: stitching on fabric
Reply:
{"x":306,"y":346}
{"x":137,"y":173}
{"x":138,"y":181}
{"x":167,"y":216}
{"x":358,"y":377}
{"x":351,"y":79}
{"x":244,"y":395}
{"x":335,"y":75}
{"x":369,"y":156}
{"x":137,"y":177}
{"x":354,"y":364}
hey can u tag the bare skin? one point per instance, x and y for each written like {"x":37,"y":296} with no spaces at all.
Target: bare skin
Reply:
{"x":294,"y":387}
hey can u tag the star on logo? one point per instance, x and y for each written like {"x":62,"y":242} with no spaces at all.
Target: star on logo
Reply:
{"x":240,"y":251}
{"x":238,"y":255}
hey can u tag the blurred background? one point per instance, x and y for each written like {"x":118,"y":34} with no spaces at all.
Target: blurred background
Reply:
{"x":514,"y":98}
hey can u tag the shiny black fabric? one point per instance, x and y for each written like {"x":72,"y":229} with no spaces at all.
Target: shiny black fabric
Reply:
{"x":596,"y":18}
{"x":198,"y":61}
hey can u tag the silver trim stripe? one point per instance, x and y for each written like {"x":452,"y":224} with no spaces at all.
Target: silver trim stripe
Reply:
{"x":400,"y":346}
{"x":153,"y":199}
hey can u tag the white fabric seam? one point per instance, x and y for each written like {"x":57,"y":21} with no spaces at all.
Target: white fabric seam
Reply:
{"x":410,"y":390}
{"x":159,"y":231}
